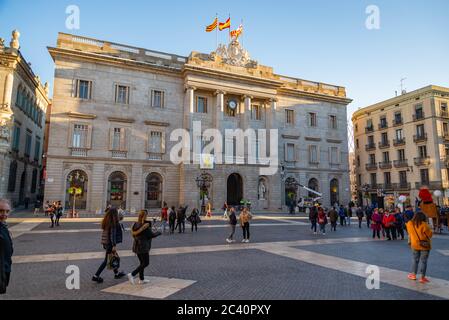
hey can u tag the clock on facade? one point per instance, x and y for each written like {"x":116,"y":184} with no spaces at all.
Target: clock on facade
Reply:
{"x":232,"y":104}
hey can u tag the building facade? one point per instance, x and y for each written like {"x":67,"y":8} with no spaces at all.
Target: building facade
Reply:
{"x":24,"y":101}
{"x":115,"y":108}
{"x":402,"y":144}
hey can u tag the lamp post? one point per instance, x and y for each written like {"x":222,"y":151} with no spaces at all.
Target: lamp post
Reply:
{"x":282,"y":172}
{"x":75,"y":179}
{"x":203,"y":183}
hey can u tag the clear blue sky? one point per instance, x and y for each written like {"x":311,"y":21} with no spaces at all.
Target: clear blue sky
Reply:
{"x":323,"y":40}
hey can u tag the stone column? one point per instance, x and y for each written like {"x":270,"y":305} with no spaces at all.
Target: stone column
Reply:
{"x":218,"y":115}
{"x":189,"y":106}
{"x":135,"y":185}
{"x":98,"y":184}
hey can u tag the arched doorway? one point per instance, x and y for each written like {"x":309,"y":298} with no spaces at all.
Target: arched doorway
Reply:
{"x":334,"y":191}
{"x":117,"y":190}
{"x":291,"y":191}
{"x":22,"y":187}
{"x":153,"y":191}
{"x":235,"y":189}
{"x":76,"y":180}
{"x":313,"y":184}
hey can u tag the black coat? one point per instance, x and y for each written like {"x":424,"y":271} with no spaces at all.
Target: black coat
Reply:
{"x":6,"y":249}
{"x":143,"y":235}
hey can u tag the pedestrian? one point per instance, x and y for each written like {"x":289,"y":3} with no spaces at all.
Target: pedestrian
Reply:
{"x":382,"y":213}
{"x":342,"y":215}
{"x":194,"y":219}
{"x":164,"y":216}
{"x":322,"y":220}
{"x":143,"y":234}
{"x":232,"y":224}
{"x":6,"y":246}
{"x":225,"y":208}
{"x":399,"y":223}
{"x":181,"y":220}
{"x":172,"y":219}
{"x":420,"y":236}
{"x":389,"y":224}
{"x":333,"y":217}
{"x":52,"y":214}
{"x":37,"y":207}
{"x":351,"y":211}
{"x":245,"y":217}
{"x":376,"y":224}
{"x":369,"y":214}
{"x":112,"y":235}
{"x":313,"y":217}
{"x":359,"y":213}
{"x":58,"y":213}
{"x":47,"y":208}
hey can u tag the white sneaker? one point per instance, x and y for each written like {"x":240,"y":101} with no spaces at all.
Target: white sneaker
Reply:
{"x":244,"y":240}
{"x":144,"y":281}
{"x":131,"y":279}
{"x":228,"y":241}
{"x":247,"y":241}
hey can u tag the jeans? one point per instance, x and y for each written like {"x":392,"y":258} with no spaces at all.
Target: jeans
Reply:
{"x":342,"y":221}
{"x":368,"y":222}
{"x":183,"y":224}
{"x":423,"y":256}
{"x":334,"y":226}
{"x":231,"y":236}
{"x":52,"y":218}
{"x":392,"y":231}
{"x":323,"y":228}
{"x":245,"y":228}
{"x":105,"y":261}
{"x":172,"y":226}
{"x":360,"y":222}
{"x":400,"y":231}
{"x":348,"y":219}
{"x":144,"y":259}
{"x":313,"y":227}
{"x":164,"y":225}
{"x":194,"y":224}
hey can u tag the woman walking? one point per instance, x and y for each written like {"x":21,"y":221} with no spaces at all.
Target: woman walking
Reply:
{"x":333,"y":217}
{"x":164,"y":216}
{"x":232,"y":223}
{"x":245,"y":217}
{"x":111,"y":236}
{"x":420,"y":242}
{"x":376,"y":224}
{"x":172,"y":219}
{"x":143,"y":235}
{"x":322,"y":221}
{"x":194,"y":219}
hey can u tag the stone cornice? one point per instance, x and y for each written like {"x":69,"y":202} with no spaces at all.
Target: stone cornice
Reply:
{"x":334,"y":141}
{"x":121,"y":120}
{"x":156,"y":123}
{"x":314,"y":96}
{"x":313,"y":139}
{"x":287,"y":136}
{"x":80,"y":115}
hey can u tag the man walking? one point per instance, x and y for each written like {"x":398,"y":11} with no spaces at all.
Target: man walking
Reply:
{"x":6,"y":247}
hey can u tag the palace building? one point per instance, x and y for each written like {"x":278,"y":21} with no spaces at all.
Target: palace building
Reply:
{"x":115,"y":107}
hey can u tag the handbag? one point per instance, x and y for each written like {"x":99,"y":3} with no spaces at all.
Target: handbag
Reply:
{"x":423,"y":243}
{"x":113,"y":261}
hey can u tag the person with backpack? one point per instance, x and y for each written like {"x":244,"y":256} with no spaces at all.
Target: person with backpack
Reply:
{"x":111,"y":236}
{"x":359,"y":213}
{"x":195,"y":219}
{"x":172,"y":219}
{"x":164,"y":216}
{"x":232,"y":224}
{"x":376,"y":224}
{"x":333,"y":217}
{"x":313,"y":217}
{"x":245,"y":217}
{"x":143,"y":234}
{"x":420,"y":241}
{"x":342,"y":215}
{"x":322,"y":220}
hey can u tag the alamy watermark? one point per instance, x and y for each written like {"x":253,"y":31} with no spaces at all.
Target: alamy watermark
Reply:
{"x":72,"y":282}
{"x":373,"y":279}
{"x":373,"y":20}
{"x":72,"y":21}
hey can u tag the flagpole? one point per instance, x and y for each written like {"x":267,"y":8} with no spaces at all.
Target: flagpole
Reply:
{"x":230,"y":27}
{"x":216,"y":32}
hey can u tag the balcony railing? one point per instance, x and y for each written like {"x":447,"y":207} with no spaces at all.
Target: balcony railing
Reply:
{"x":399,"y":142}
{"x":398,"y":122}
{"x":418,"y":116}
{"x":369,"y":129}
{"x":402,"y":186}
{"x":79,"y":152}
{"x":383,"y":126}
{"x":422,"y":161}
{"x":385,"y":186}
{"x":444,"y":114}
{"x":119,"y":154}
{"x":445,"y":160}
{"x":371,"y":166}
{"x":400,"y":163}
{"x":446,"y":136}
{"x":420,"y":137}
{"x":370,"y":146}
{"x":155,"y":156}
{"x":385,"y":165}
{"x":384,"y":144}
{"x":433,"y":185}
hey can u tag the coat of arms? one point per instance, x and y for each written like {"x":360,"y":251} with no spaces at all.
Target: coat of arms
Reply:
{"x":234,"y":54}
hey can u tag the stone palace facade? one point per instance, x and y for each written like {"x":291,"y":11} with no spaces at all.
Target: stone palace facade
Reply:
{"x":115,"y":107}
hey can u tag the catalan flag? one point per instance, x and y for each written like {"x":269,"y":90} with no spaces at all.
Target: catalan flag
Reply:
{"x":225,"y":25}
{"x":213,"y":26}
{"x":237,"y":32}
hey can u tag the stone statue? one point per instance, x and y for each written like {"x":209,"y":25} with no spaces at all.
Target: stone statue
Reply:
{"x":262,"y":190}
{"x":2,"y":43}
{"x":5,"y":131}
{"x":234,"y":54}
{"x":14,"y":44}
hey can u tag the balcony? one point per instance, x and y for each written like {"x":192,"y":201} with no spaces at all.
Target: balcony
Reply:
{"x":385,"y":165}
{"x":155,"y":156}
{"x":420,"y":137}
{"x":119,"y":154}
{"x":400,"y":163}
{"x":371,"y":166}
{"x":444,"y":114}
{"x":383,"y":126}
{"x":402,"y":186}
{"x":79,"y":152}
{"x":384,"y":144}
{"x":422,"y":161}
{"x":398,"y":122}
{"x":370,"y":147}
{"x":399,"y":142}
{"x":446,"y":136}
{"x":433,"y":185}
{"x":369,"y":129}
{"x":418,"y":116}
{"x":385,"y":186}
{"x":445,"y":160}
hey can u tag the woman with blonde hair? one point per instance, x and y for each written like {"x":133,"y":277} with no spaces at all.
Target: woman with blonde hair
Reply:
{"x":143,"y":234}
{"x":245,"y":217}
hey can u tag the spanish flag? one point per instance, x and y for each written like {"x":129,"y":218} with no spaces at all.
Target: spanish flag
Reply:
{"x":225,"y":25}
{"x":213,"y":26}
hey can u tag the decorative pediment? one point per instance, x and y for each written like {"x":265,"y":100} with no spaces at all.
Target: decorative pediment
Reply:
{"x":235,"y":55}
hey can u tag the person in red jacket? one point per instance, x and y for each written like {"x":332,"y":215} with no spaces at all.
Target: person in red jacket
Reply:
{"x":389,"y":224}
{"x":322,"y":220}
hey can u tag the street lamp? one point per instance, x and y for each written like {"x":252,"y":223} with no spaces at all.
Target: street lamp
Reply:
{"x":282,"y":172}
{"x":203,"y":183}
{"x":76,"y":180}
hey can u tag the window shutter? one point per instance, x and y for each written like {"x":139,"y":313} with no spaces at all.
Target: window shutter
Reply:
{"x":123,"y":142}
{"x":89,"y":137}
{"x":163,"y":142}
{"x":70,"y":137}
{"x":74,"y":88}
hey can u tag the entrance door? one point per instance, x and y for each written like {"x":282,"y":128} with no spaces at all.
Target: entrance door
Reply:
{"x":117,"y":190}
{"x":235,"y":189}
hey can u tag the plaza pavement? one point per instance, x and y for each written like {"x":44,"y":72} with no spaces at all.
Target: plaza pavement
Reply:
{"x":283,"y":261}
